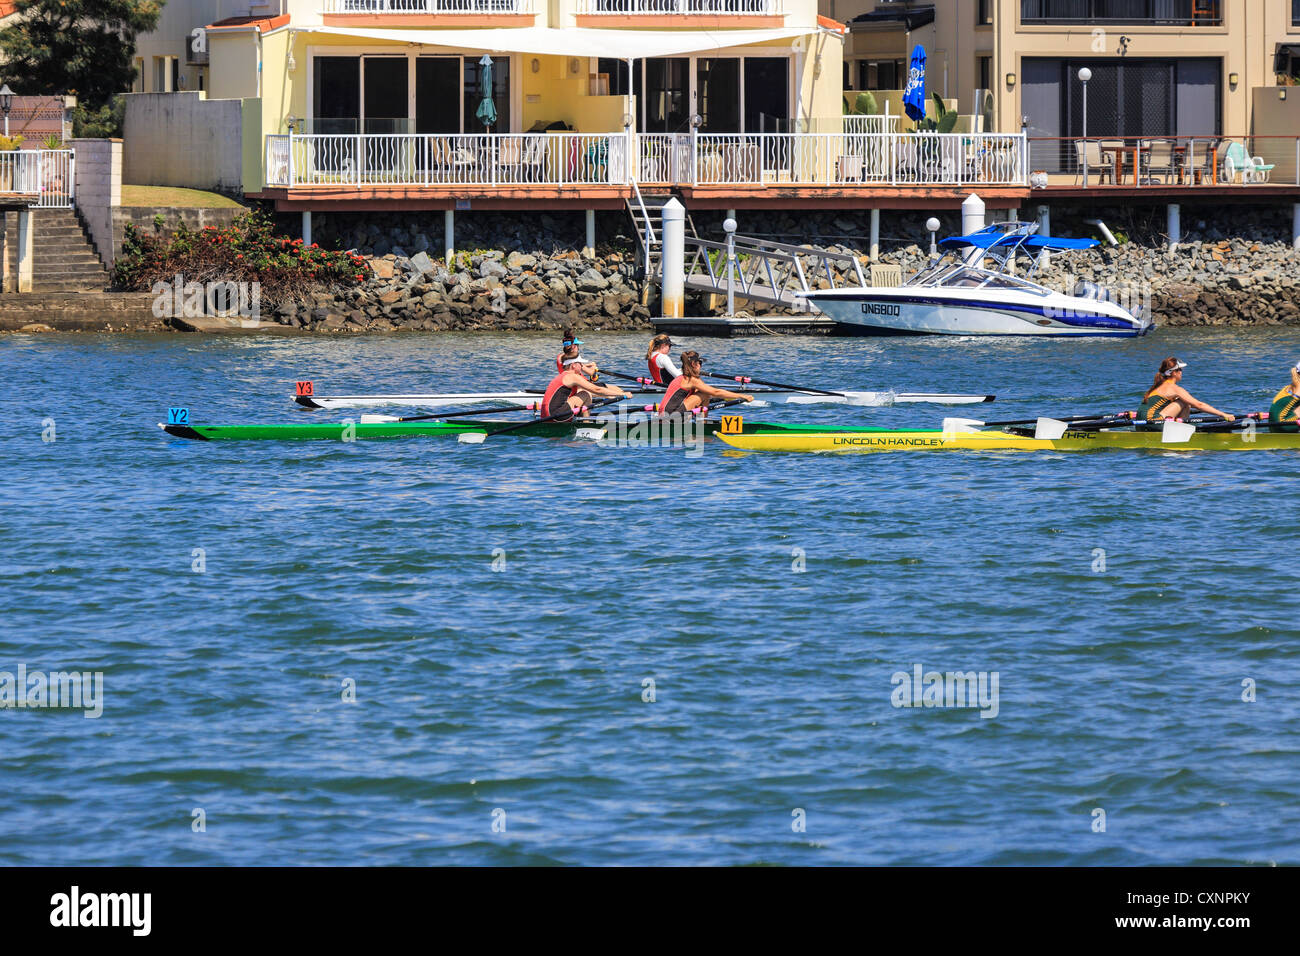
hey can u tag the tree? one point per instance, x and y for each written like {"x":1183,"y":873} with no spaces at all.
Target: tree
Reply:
{"x":83,"y":47}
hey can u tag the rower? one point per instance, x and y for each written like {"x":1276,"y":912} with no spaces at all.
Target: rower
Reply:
{"x":1282,"y":414}
{"x":688,"y":391}
{"x":574,"y":388}
{"x":569,"y":349}
{"x":1168,"y":399}
{"x":662,"y":369}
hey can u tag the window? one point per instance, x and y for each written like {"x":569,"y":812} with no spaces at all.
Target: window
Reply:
{"x":984,"y":72}
{"x":1295,"y":13}
{"x":983,"y":13}
{"x":616,"y":70}
{"x":880,"y":74}
{"x":137,"y":82}
{"x":1156,"y":12}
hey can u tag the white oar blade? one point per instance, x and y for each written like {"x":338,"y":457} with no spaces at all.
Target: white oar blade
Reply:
{"x":1050,"y":429}
{"x":937,"y":398}
{"x":471,"y":438}
{"x":1174,"y":433}
{"x":960,"y":426}
{"x":378,"y":419}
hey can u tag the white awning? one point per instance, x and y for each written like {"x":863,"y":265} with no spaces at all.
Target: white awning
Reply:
{"x":574,"y":41}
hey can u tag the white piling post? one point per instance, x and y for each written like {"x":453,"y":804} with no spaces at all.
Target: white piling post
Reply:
{"x":306,"y":227}
{"x":1044,"y":229}
{"x":449,"y":237}
{"x":672,"y":282}
{"x":590,"y":248}
{"x":875,"y":235}
{"x":729,"y":227}
{"x":1295,"y":226}
{"x":972,"y":220}
{"x":1175,"y":226}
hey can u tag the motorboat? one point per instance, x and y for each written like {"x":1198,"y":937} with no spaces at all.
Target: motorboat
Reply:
{"x":972,"y":290}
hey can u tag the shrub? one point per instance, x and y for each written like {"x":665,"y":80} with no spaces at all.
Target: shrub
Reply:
{"x":245,"y":251}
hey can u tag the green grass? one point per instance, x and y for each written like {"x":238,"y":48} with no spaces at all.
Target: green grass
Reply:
{"x":175,"y":196}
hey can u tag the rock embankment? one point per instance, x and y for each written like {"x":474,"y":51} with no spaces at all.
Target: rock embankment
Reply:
{"x":488,"y":290}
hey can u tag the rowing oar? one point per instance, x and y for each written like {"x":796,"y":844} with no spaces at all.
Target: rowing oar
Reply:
{"x":381,"y":419}
{"x":975,"y":423}
{"x":639,"y":379}
{"x":477,"y":438}
{"x":746,"y":380}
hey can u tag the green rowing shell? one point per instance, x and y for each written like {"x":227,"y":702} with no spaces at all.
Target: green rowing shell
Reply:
{"x":343,"y":431}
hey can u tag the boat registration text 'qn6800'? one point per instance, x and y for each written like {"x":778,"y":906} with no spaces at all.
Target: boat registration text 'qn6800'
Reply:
{"x":877,"y":308}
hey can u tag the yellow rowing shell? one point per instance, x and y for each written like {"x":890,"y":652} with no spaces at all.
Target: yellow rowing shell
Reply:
{"x":887,"y":440}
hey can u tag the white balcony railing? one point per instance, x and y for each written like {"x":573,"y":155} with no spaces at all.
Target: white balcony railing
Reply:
{"x":828,"y":159}
{"x":711,"y":159}
{"x":678,"y":7}
{"x":46,"y":174}
{"x":472,"y":159}
{"x":426,"y":6}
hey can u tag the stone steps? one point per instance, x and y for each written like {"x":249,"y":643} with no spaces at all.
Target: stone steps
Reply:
{"x":63,"y":259}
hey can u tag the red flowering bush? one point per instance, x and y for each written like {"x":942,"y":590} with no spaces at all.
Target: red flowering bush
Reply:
{"x":247,"y":250}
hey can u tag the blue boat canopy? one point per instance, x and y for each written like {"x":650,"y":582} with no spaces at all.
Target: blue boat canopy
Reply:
{"x":989,"y":238}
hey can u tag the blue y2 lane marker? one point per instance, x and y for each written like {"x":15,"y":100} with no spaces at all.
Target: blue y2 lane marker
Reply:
{"x":176,"y":415}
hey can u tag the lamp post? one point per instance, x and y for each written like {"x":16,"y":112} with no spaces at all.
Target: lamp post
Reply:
{"x":6,"y":103}
{"x":1085,"y":75}
{"x":932,"y":226}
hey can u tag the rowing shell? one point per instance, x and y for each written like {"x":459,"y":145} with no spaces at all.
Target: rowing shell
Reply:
{"x":772,"y":396}
{"x":623,"y":429}
{"x":882,"y":439}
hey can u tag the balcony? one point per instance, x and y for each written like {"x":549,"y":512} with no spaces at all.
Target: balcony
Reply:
{"x":484,"y":163}
{"x":1161,"y":13}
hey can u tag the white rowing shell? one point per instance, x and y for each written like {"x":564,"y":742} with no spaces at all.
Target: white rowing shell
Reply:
{"x":769,"y":396}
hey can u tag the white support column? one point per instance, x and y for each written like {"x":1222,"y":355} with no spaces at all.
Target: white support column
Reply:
{"x":972,"y":220}
{"x":1295,"y":226}
{"x":875,"y":234}
{"x":590,"y":248}
{"x":306,"y":227}
{"x":25,"y":250}
{"x":449,"y":237}
{"x":1044,"y":229}
{"x":1175,"y":226}
{"x":672,"y":283}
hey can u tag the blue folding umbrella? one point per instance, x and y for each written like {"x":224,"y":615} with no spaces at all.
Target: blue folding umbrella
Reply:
{"x":487,"y":109}
{"x":914,"y":93}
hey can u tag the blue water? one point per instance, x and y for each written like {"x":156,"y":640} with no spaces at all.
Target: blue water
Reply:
{"x":513,"y":698}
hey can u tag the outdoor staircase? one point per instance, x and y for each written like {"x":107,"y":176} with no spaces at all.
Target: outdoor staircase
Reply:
{"x":647,"y":212}
{"x":63,"y":258}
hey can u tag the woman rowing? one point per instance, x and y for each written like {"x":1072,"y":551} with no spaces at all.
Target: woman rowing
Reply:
{"x":1168,"y":399}
{"x":569,"y":349}
{"x":662,"y":369}
{"x":689,"y":391}
{"x":1282,"y":414}
{"x":573,"y":389}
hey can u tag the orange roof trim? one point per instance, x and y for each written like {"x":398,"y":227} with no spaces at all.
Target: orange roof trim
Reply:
{"x":830,"y":24}
{"x":7,"y":7}
{"x":263,"y":24}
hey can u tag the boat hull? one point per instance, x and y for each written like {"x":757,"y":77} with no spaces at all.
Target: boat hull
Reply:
{"x":630,"y":430}
{"x":895,"y":311}
{"x":885,"y":440}
{"x":770,"y":396}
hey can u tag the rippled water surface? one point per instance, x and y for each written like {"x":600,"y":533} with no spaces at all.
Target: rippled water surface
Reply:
{"x":500,"y":714}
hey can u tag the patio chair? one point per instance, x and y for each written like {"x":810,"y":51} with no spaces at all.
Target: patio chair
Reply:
{"x":1091,"y":150}
{"x":1237,"y":160}
{"x":1157,"y":160}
